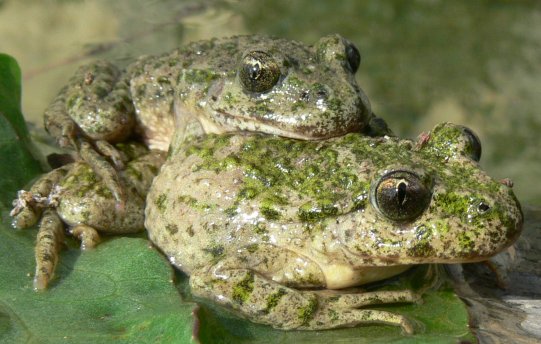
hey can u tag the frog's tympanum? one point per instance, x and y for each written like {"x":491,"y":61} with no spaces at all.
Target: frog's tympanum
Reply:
{"x":247,"y":83}
{"x":260,"y":223}
{"x":74,"y":196}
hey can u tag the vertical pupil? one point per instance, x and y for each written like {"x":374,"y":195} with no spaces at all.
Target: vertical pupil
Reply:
{"x":401,"y":192}
{"x":254,"y":71}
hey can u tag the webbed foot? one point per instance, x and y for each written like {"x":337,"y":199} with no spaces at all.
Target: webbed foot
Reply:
{"x":265,"y":301}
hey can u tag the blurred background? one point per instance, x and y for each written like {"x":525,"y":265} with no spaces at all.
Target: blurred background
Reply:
{"x":472,"y":62}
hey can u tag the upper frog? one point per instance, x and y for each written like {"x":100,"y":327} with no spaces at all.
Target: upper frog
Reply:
{"x":253,"y":83}
{"x":323,"y":214}
{"x":244,"y":83}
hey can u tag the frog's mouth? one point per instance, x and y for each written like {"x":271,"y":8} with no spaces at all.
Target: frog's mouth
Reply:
{"x":276,"y":125}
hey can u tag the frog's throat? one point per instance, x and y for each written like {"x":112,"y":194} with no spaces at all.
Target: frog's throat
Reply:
{"x":344,"y":276}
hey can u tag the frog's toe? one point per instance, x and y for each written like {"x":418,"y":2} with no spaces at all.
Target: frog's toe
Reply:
{"x":106,"y":171}
{"x":357,"y":300}
{"x":327,"y":318}
{"x":24,"y":218}
{"x":27,"y":209}
{"x":48,"y":242}
{"x":118,"y":158}
{"x":88,"y":236}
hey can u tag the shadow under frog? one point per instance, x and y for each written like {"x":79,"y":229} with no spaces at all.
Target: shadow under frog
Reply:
{"x":268,"y":225}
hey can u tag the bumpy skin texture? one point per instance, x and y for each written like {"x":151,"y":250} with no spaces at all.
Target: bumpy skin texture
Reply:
{"x":74,"y":196}
{"x":255,"y":219}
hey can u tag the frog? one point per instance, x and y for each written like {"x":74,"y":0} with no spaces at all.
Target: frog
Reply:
{"x":242,"y":83}
{"x":75,"y":198}
{"x":280,"y":230}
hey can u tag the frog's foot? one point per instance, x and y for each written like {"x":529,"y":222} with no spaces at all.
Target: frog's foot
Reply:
{"x":344,"y":309}
{"x":39,"y":203}
{"x":29,"y":205}
{"x":27,"y":209}
{"x":88,"y":236}
{"x":106,"y":171}
{"x":49,"y":240}
{"x":265,"y":301}
{"x":501,"y":264}
{"x":377,"y":127}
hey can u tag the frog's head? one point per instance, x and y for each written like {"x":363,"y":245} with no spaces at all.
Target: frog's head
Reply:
{"x":440,"y":206}
{"x":289,"y":89}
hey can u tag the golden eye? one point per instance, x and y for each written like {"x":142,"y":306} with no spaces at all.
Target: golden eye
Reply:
{"x":258,"y":72}
{"x":401,"y":196}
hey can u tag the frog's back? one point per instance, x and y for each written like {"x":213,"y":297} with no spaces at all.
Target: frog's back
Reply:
{"x":230,"y":192}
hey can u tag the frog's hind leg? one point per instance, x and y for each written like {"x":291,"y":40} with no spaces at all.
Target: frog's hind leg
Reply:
{"x":49,"y":241}
{"x":245,"y":283}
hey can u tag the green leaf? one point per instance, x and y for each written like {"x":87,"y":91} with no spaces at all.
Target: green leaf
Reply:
{"x":17,"y":165}
{"x":122,"y":291}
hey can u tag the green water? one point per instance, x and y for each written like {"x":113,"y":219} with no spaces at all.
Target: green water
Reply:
{"x":476,"y":63}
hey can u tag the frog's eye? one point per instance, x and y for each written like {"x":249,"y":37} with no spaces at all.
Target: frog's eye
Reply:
{"x":338,"y":51}
{"x":401,"y":196}
{"x":259,"y":72}
{"x":473,"y":144}
{"x":353,"y":57}
{"x":449,"y":141}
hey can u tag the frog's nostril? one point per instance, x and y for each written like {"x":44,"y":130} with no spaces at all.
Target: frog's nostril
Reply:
{"x":321,"y":93}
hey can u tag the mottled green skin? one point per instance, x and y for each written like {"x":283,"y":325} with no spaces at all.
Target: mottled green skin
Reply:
{"x":80,"y":197}
{"x":309,"y":206}
{"x":197,"y":89}
{"x":84,"y":199}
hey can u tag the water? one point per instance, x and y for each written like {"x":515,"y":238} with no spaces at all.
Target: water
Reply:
{"x":476,"y":63}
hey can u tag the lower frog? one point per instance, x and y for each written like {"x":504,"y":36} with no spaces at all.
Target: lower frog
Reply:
{"x":74,"y":195}
{"x":268,"y":225}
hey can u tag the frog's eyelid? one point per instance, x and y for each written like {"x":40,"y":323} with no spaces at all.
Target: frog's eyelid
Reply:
{"x":451,"y":142}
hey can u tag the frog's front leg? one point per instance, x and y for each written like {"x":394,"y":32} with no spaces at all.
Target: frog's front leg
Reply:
{"x":105,"y":170}
{"x":93,"y":110}
{"x":245,"y":284}
{"x":96,"y":102}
